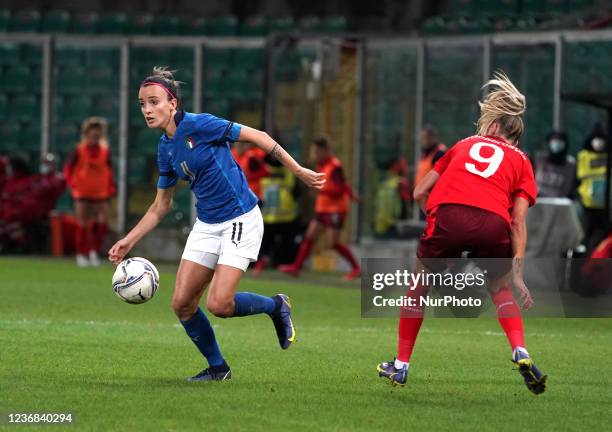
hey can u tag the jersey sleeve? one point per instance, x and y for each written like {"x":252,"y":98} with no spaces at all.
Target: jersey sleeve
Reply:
{"x":167,"y":175}
{"x":442,"y":163}
{"x":526,"y":186}
{"x":216,"y":130}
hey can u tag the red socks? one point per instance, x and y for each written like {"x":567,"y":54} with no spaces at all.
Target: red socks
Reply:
{"x":509,"y":316}
{"x":82,"y":239}
{"x":346,"y":253}
{"x":99,"y":233}
{"x":303,"y":253}
{"x":410,"y":322}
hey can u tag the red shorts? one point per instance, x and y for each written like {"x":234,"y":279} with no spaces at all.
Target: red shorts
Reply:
{"x":453,"y":229}
{"x":331,"y":220}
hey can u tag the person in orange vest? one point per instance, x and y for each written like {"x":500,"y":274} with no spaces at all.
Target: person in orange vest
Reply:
{"x":89,"y":175}
{"x":251,"y":161}
{"x":431,"y":150}
{"x":331,"y":207}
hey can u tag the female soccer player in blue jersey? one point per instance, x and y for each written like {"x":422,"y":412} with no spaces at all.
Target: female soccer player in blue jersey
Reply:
{"x":228,"y":232}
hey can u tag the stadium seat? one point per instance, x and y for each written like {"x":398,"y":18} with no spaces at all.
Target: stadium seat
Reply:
{"x":85,"y":23}
{"x":32,"y":54}
{"x":56,"y":21}
{"x":9,"y":136}
{"x":248,"y":58}
{"x":254,"y":26}
{"x":194,"y":26}
{"x":496,"y":7}
{"x":30,"y":136}
{"x":4,"y":106}
{"x":16,"y":79}
{"x":219,"y":107}
{"x":10,"y":53}
{"x":226,"y":25}
{"x":113,"y":23}
{"x":280,"y":25}
{"x":5,"y":18}
{"x":103,"y":57}
{"x":139,"y":24}
{"x":333,"y":24}
{"x":27,"y":20}
{"x":107,"y":107}
{"x":66,"y":135}
{"x":102,"y":79}
{"x":77,"y":109}
{"x":71,"y":80}
{"x":166,"y":25}
{"x":138,"y":168}
{"x":69,"y":56}
{"x":25,"y":108}
{"x":146,"y":141}
{"x":461,"y":7}
{"x":310,"y":24}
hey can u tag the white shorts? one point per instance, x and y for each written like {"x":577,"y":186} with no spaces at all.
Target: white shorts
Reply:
{"x":235,"y":242}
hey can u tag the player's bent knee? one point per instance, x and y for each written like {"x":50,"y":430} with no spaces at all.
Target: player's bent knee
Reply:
{"x":221,"y":309}
{"x":183,"y":309}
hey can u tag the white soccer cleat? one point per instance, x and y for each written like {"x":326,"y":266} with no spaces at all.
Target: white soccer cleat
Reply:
{"x":82,"y":261}
{"x":94,"y":259}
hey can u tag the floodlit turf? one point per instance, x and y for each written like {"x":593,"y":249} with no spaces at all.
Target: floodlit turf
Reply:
{"x":69,"y":345}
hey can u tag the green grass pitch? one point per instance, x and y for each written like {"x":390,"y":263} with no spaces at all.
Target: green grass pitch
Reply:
{"x":69,"y":345}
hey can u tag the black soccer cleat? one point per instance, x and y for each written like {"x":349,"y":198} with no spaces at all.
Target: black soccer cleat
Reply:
{"x":535,"y":380}
{"x":213,"y":373}
{"x":283,"y":323}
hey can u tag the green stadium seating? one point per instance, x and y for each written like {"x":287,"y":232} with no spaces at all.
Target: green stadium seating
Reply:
{"x":138,"y":168}
{"x":103,"y":57}
{"x":310,"y":24}
{"x":219,"y":107}
{"x":66,"y":136}
{"x":333,"y":24}
{"x":249,"y":58}
{"x":5,"y":19}
{"x":102,"y":79}
{"x":69,"y":56}
{"x":71,"y":80}
{"x":10,"y":53}
{"x":194,"y":26}
{"x":107,"y":107}
{"x":16,"y":79}
{"x":496,"y":7}
{"x":145,"y":141}
{"x":27,"y":20}
{"x":77,"y":108}
{"x":56,"y":21}
{"x":254,"y":26}
{"x":462,"y":7}
{"x":280,"y":25}
{"x":85,"y":23}
{"x":226,"y":25}
{"x":32,"y":54}
{"x":166,"y":25}
{"x":30,"y":136}
{"x":217,"y":59}
{"x":9,"y":136}
{"x":113,"y":23}
{"x":4,"y":106}
{"x":25,"y":108}
{"x":140,"y":24}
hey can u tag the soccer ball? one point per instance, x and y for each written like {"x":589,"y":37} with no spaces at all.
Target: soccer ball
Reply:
{"x":136,"y":280}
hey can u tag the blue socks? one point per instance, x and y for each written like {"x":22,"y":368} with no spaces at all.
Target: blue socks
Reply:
{"x":251,"y":304}
{"x":200,"y":331}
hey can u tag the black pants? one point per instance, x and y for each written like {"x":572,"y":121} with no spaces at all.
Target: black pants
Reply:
{"x":279,"y":242}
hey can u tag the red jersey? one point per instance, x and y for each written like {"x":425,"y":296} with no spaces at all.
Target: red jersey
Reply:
{"x":89,"y":173}
{"x":336,"y":193}
{"x":483,"y":172}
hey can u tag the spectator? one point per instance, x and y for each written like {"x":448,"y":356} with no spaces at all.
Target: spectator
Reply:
{"x":89,"y":174}
{"x":555,"y":170}
{"x":431,"y":150}
{"x":251,"y":161}
{"x":392,"y":196}
{"x":591,"y":175}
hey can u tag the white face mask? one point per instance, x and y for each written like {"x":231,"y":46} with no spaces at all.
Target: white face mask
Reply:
{"x":598,"y":144}
{"x":556,"y":145}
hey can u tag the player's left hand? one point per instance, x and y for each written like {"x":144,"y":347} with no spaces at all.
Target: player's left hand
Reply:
{"x":311,"y":178}
{"x":524,"y":294}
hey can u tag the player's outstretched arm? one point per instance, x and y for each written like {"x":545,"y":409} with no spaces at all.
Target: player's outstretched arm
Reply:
{"x":265,"y":142}
{"x":156,"y":212}
{"x":518,"y":228}
{"x":424,"y":187}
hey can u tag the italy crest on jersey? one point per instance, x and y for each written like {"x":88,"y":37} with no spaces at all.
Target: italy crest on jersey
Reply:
{"x":190,"y":143}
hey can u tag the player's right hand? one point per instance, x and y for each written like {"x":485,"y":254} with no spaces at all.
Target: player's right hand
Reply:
{"x":523,"y":291}
{"x":119,"y":251}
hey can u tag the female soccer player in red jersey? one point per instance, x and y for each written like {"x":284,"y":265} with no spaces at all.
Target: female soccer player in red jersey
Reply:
{"x":476,"y":198}
{"x":89,"y":174}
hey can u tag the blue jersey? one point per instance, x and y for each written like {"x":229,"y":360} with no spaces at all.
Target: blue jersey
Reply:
{"x":199,"y":153}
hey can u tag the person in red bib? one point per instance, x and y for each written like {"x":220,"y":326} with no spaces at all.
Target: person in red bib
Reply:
{"x":89,"y":175}
{"x":476,"y":199}
{"x":250,"y":158}
{"x":331,"y":206}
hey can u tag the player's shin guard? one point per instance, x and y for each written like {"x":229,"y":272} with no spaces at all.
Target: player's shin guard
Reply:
{"x":252,"y":304}
{"x":509,"y":316}
{"x":200,"y":331}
